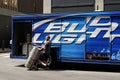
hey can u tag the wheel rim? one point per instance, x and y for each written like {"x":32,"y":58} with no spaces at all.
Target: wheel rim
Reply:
{"x":49,"y":61}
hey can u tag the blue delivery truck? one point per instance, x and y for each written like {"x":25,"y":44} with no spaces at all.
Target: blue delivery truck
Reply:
{"x":92,"y":37}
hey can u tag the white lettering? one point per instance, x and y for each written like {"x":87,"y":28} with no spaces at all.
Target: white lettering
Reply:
{"x":61,"y":32}
{"x":35,"y":38}
{"x":81,"y":39}
{"x":74,"y":26}
{"x":95,"y":22}
{"x":65,"y":38}
{"x":56,"y":27}
{"x":114,"y":27}
{"x":97,"y":31}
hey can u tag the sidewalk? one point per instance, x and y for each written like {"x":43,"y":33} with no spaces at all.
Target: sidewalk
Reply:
{"x":5,"y":50}
{"x":15,"y":62}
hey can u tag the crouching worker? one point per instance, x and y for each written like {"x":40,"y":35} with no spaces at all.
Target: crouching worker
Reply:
{"x":45,"y":53}
{"x":39,"y":56}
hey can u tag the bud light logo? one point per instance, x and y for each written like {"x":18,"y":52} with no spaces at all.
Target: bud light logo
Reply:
{"x":68,"y":31}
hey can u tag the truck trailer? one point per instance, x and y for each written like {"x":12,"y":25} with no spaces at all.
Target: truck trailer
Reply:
{"x":92,"y":37}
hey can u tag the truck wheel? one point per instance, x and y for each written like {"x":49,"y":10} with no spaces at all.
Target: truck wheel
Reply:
{"x":53,"y":58}
{"x":51,"y":61}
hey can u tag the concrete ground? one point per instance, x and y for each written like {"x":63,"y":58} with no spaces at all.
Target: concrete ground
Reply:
{"x":11,"y":69}
{"x":4,"y":50}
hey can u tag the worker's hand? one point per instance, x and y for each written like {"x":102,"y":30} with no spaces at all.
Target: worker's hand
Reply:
{"x":43,"y":46}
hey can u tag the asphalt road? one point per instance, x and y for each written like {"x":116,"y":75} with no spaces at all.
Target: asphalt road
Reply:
{"x":11,"y":69}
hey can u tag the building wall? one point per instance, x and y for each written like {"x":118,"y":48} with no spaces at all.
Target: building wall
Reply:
{"x":30,"y":6}
{"x":5,"y":31}
{"x":9,"y":4}
{"x":68,"y":6}
{"x":112,"y":5}
{"x":23,"y":6}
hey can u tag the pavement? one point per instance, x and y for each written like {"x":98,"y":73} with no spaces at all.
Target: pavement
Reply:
{"x":15,"y":62}
{"x":11,"y":69}
{"x":6,"y":50}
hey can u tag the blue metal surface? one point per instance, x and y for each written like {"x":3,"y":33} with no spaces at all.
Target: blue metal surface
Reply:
{"x":79,"y":35}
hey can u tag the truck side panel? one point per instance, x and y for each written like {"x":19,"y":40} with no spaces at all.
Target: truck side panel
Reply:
{"x":98,"y":37}
{"x":115,"y":38}
{"x":73,"y":38}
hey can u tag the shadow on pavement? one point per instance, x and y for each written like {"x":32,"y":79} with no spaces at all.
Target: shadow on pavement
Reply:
{"x":82,"y":67}
{"x":88,"y":67}
{"x":21,"y":65}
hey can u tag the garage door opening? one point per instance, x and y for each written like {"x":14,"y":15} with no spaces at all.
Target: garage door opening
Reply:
{"x":22,"y":37}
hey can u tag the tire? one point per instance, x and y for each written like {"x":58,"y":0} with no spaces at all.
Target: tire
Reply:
{"x":51,"y":60}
